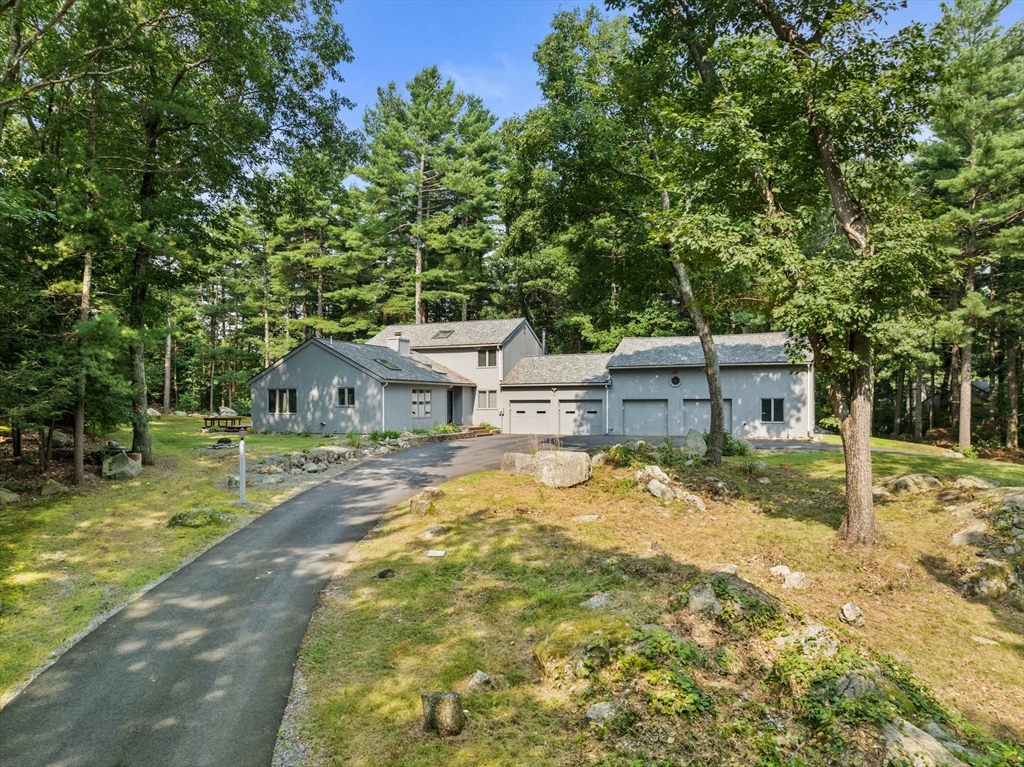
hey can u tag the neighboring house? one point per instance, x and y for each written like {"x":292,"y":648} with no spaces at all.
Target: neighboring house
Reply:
{"x":338,"y":387}
{"x":495,"y":371}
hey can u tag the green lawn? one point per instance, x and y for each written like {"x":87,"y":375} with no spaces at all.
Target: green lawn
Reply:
{"x":892,"y":444}
{"x":66,"y":560}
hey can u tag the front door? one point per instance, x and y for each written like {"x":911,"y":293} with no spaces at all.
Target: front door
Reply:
{"x":451,"y":406}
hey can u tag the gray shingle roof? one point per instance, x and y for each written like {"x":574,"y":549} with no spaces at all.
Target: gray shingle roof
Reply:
{"x":560,"y":369}
{"x":412,"y":368}
{"x":473,"y":333}
{"x":685,"y":351}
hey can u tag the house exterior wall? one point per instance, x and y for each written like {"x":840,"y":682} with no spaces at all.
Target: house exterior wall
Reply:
{"x":463,"y":360}
{"x":522,"y":343}
{"x":316,"y":375}
{"x":743,"y":386}
{"x":398,"y":407}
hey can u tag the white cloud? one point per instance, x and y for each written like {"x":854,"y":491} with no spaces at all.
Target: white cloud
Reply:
{"x":507,"y":87}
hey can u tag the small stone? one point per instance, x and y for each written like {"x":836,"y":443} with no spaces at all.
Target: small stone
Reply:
{"x":603,"y":711}
{"x":689,"y":463}
{"x":598,"y":460}
{"x":386,"y":573}
{"x":587,"y":518}
{"x":479,"y":682}
{"x":272,"y":481}
{"x":729,"y":569}
{"x":647,"y":473}
{"x":702,"y":599}
{"x":599,"y":601}
{"x":152,"y":412}
{"x":757,"y":468}
{"x":764,"y":480}
{"x":432,"y":493}
{"x":660,"y":490}
{"x":436,"y":553}
{"x":799,"y":581}
{"x":53,"y":487}
{"x":780,"y":571}
{"x":419,"y":505}
{"x":435,"y":531}
{"x":655,"y":546}
{"x":971,"y":535}
{"x":689,"y":499}
{"x":851,"y":614}
{"x":984,"y":640}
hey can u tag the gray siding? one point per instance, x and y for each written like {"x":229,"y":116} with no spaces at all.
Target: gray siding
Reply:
{"x":743,"y":386}
{"x":464,"y":362}
{"x":523,"y":343}
{"x":398,"y":407}
{"x":316,"y":375}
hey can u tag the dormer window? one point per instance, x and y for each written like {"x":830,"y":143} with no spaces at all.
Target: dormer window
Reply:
{"x":487,"y":358}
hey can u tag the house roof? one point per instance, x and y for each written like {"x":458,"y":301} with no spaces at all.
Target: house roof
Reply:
{"x":441,"y":334}
{"x":560,"y":369}
{"x":686,"y":351}
{"x":383,"y":363}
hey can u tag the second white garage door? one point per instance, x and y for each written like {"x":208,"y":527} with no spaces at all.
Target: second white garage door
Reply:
{"x":645,"y":417}
{"x":531,"y":417}
{"x":581,"y":417}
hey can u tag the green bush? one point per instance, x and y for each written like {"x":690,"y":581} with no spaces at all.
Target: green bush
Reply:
{"x":379,"y":436}
{"x":488,"y":426}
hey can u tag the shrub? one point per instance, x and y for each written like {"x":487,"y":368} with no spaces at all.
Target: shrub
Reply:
{"x":967,"y":452}
{"x":488,"y":426}
{"x":446,"y":428}
{"x":379,"y":436}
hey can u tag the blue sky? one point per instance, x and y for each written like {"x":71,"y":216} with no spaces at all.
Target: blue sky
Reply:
{"x":485,"y":46}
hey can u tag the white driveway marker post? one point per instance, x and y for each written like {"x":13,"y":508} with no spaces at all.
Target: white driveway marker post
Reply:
{"x":241,"y":467}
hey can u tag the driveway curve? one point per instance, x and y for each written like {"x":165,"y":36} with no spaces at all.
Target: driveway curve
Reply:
{"x":197,"y":671}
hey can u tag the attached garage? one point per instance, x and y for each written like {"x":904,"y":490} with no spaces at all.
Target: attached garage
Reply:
{"x":697,"y":414}
{"x":531,"y":416}
{"x":645,"y":417}
{"x":581,"y":417}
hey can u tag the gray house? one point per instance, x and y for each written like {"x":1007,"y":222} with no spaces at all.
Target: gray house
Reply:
{"x":338,"y":387}
{"x":495,"y":371}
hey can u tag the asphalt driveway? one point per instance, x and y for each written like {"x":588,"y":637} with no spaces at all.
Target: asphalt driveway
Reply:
{"x":197,"y":671}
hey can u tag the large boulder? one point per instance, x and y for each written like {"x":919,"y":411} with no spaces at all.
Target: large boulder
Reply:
{"x":909,"y":745}
{"x":647,"y":473}
{"x":152,"y":412}
{"x":660,"y":490}
{"x":519,"y":464}
{"x":120,"y":466}
{"x":562,"y":468}
{"x":975,"y":483}
{"x":6,"y":496}
{"x":695,"y":444}
{"x":60,"y":439}
{"x":227,"y":411}
{"x":53,"y":487}
{"x":912,"y":484}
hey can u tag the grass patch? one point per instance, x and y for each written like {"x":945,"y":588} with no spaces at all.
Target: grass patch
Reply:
{"x":506,"y":599}
{"x":892,"y":444}
{"x":66,"y":560}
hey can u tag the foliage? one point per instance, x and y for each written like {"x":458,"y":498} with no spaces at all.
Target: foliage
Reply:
{"x":380,"y":436}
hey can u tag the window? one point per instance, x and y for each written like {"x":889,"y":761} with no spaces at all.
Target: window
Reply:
{"x":487,"y":400}
{"x":346,"y":397}
{"x":388,"y":364}
{"x":675,"y":381}
{"x":771,"y":411}
{"x":443,"y":333}
{"x":283,"y":401}
{"x":421,"y":403}
{"x":487,"y":358}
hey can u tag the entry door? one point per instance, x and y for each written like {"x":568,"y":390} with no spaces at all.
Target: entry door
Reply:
{"x":581,"y":417}
{"x":451,"y":407}
{"x":645,"y":417}
{"x":531,"y":417}
{"x":697,"y":414}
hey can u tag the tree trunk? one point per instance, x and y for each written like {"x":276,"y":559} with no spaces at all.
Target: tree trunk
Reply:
{"x":918,"y":397}
{"x":954,"y":387}
{"x":167,"y":369}
{"x":859,"y":524}
{"x":79,"y":429}
{"x":442,"y":713}
{"x":966,"y":370}
{"x":16,"y":442}
{"x":716,"y":435}
{"x":266,"y":306}
{"x":420,"y":318}
{"x":897,"y":421}
{"x":931,"y":398}
{"x":1012,"y":440}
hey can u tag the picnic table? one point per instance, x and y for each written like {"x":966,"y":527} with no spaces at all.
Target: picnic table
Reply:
{"x":226,"y":422}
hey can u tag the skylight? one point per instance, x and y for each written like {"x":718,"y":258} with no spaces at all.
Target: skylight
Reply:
{"x":443,"y":333}
{"x":388,"y":364}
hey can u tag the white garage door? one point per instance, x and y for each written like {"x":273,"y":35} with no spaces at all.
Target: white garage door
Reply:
{"x":697,"y":414}
{"x":645,"y":417}
{"x":531,"y":417}
{"x":581,"y":417}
